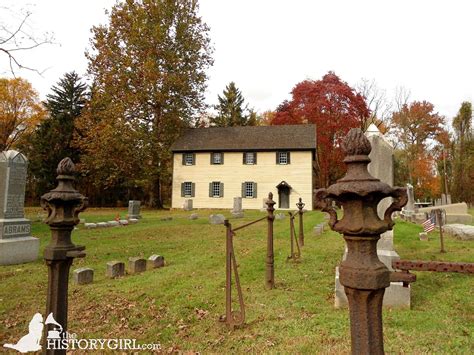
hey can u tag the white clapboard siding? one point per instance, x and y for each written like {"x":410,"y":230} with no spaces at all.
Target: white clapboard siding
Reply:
{"x":266,"y":173}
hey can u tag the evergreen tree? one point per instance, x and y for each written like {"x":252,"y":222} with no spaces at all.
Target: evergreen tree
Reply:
{"x":52,"y":141}
{"x":464,"y":154}
{"x":231,"y":110}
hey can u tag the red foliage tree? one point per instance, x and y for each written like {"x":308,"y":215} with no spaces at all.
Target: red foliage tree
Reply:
{"x":335,"y":108}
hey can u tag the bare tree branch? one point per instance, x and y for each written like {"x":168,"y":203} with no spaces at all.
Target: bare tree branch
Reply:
{"x":19,"y":39}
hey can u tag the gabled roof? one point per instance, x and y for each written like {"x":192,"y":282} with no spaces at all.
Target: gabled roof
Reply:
{"x":283,"y":137}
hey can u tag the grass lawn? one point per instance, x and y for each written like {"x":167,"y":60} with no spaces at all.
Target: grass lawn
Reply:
{"x":179,"y":305}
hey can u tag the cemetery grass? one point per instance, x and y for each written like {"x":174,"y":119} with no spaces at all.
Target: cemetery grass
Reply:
{"x":179,"y":305}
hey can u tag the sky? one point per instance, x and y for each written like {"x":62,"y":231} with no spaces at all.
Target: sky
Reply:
{"x":267,"y":46}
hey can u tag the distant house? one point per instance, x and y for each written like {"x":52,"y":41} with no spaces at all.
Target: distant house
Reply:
{"x":214,"y":165}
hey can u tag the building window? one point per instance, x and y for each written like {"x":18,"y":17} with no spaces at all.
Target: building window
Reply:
{"x":216,"y":189}
{"x":188,"y":189}
{"x":189,"y":159}
{"x":283,"y":158}
{"x":217,"y":158}
{"x":249,"y":189}
{"x":250,"y":158}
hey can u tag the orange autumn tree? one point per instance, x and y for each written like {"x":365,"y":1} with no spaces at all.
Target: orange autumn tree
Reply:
{"x":335,"y":108}
{"x":20,"y":111}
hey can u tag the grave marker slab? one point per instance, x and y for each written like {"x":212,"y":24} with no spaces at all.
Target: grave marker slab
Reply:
{"x":136,"y":265}
{"x":134,"y":209}
{"x":16,"y":243}
{"x":115,"y":269}
{"x":156,"y":261}
{"x":83,"y":276}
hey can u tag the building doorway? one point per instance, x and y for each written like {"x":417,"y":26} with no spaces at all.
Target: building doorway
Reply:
{"x":283,"y":194}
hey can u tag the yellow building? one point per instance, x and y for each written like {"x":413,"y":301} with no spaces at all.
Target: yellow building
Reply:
{"x":213,"y":165}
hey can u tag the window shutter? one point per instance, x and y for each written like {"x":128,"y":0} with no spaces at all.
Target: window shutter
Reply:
{"x":254,"y":189}
{"x":184,"y":158}
{"x":193,"y":189}
{"x":288,"y":157}
{"x":210,"y":189}
{"x":221,"y":189}
{"x":212,"y":158}
{"x":243,"y":158}
{"x":277,"y":161}
{"x":255,"y":158}
{"x":243,"y":190}
{"x":182,"y":189}
{"x":194,"y":159}
{"x":222,"y":158}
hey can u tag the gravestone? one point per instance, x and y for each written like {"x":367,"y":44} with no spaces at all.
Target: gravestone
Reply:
{"x":193,"y":216}
{"x":188,"y":205}
{"x":134,"y":209}
{"x":381,"y":167}
{"x":280,"y":216}
{"x":156,"y":261}
{"x":448,"y":199}
{"x":237,"y":211}
{"x":216,"y":219}
{"x":443,"y":199}
{"x":90,"y":225}
{"x":83,"y":276}
{"x":410,"y":206}
{"x":16,"y":244}
{"x":115,"y":269}
{"x":136,"y":265}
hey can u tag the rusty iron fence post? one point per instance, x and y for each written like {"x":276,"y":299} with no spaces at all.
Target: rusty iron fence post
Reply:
{"x":293,"y":255}
{"x":232,"y":318}
{"x":63,"y":205}
{"x":270,"y":267}
{"x":300,"y":206}
{"x":362,"y":274}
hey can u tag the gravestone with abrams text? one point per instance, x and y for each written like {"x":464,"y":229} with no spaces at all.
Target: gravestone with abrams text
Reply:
{"x":16,"y":243}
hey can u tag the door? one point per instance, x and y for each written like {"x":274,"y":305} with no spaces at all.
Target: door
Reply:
{"x":283,"y":197}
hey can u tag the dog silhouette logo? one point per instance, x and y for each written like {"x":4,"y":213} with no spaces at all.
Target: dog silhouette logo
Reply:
{"x":31,"y":341}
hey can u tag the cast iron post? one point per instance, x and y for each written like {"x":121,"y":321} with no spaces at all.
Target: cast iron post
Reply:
{"x":63,"y":205}
{"x":362,"y":274}
{"x":300,"y":206}
{"x":270,"y":273}
{"x":228,"y":272}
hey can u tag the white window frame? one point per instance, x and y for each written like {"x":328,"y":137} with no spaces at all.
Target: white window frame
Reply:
{"x":217,"y":161}
{"x":188,"y":189}
{"x":283,"y":158}
{"x":188,"y":159}
{"x":216,"y":189}
{"x":250,"y":155}
{"x":248,"y":189}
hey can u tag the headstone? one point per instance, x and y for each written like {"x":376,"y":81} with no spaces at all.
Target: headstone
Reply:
{"x":115,"y":269}
{"x":133,"y":220}
{"x":82,"y":220}
{"x":102,"y":225}
{"x":455,"y":212}
{"x":194,"y":216}
{"x":136,"y":265}
{"x":280,"y":216}
{"x":83,"y":276}
{"x":410,"y":206}
{"x":188,"y":205}
{"x":123,"y":222}
{"x":90,"y":225}
{"x":156,"y":261}
{"x":443,"y":199}
{"x":216,"y":219}
{"x":134,"y":209}
{"x":459,"y":231}
{"x":448,"y":199}
{"x":381,"y":167}
{"x":237,"y":211}
{"x":423,"y":236}
{"x":113,"y":223}
{"x":16,"y":243}
{"x":264,"y":205}
{"x":317,"y":230}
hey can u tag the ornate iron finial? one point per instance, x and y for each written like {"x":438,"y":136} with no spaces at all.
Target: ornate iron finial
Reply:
{"x":356,"y":143}
{"x":66,"y":167}
{"x":362,"y":274}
